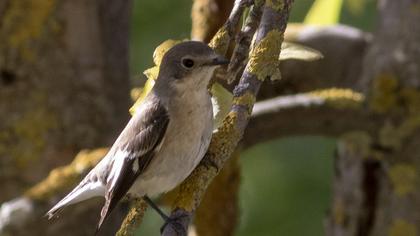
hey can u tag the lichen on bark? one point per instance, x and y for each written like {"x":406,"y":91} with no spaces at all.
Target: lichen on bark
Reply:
{"x":263,"y":61}
{"x":64,"y":177}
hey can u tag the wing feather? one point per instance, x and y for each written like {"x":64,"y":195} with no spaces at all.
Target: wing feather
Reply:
{"x":134,"y":152}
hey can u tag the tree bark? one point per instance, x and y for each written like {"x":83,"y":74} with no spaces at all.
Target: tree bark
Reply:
{"x":207,"y":17}
{"x":377,"y":175}
{"x":64,"y":86}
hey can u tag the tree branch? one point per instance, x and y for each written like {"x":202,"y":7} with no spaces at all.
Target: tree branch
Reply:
{"x":133,"y":218}
{"x":262,"y":64}
{"x":222,"y":196}
{"x":323,"y":112}
{"x":207,"y":17}
{"x":343,"y":48}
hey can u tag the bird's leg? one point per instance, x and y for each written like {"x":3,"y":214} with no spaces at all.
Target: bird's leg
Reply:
{"x":174,"y":221}
{"x":156,"y":208}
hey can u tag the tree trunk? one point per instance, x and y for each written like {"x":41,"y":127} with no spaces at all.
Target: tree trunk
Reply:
{"x":376,"y":186}
{"x":64,"y":86}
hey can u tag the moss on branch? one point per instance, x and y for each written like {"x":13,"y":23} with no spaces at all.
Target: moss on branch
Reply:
{"x":20,"y":26}
{"x":221,"y":40}
{"x":340,"y":98}
{"x":62,"y":178}
{"x":263,"y":61}
{"x":217,"y":215}
{"x":404,"y":178}
{"x":133,"y":218}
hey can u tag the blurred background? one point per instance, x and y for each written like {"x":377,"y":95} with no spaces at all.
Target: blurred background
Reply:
{"x":286,"y":184}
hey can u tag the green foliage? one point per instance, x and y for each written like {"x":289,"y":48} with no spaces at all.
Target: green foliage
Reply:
{"x":324,"y":12}
{"x":286,"y":185}
{"x":358,"y":13}
{"x":154,"y":21}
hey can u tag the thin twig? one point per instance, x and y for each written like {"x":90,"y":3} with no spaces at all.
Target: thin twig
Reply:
{"x":222,"y":39}
{"x":243,"y":42}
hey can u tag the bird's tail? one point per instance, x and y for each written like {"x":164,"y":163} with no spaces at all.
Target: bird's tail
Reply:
{"x":85,"y":190}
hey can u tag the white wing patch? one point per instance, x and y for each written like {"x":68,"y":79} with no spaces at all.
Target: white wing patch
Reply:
{"x":119,"y":158}
{"x":136,"y":165}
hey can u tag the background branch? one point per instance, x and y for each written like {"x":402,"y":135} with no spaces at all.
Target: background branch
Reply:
{"x":343,"y":48}
{"x":207,"y":17}
{"x":323,"y":113}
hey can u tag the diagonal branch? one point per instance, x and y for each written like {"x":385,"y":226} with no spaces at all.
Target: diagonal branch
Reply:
{"x":262,"y":64}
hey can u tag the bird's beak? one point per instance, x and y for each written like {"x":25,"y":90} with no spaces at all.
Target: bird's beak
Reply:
{"x":219,"y":60}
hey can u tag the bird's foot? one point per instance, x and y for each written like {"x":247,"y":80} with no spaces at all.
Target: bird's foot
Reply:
{"x":176,"y":223}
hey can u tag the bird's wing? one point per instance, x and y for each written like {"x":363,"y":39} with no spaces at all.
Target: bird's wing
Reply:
{"x":134,"y":152}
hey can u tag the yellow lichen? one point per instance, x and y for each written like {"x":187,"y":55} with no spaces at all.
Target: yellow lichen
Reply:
{"x":27,"y":132}
{"x":400,"y":227}
{"x":388,"y":136}
{"x":227,"y":132}
{"x":208,"y":220}
{"x":220,"y":41}
{"x":26,"y":20}
{"x":192,"y":189}
{"x":263,"y":60}
{"x":277,"y":5}
{"x":63,"y":177}
{"x":404,"y":178}
{"x":342,"y":98}
{"x":133,"y":218}
{"x":384,"y":93}
{"x":247,"y":99}
{"x":357,"y":143}
{"x":391,"y":135}
{"x":411,"y":97}
{"x":338,"y":212}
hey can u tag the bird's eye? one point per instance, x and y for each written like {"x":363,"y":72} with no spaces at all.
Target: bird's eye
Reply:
{"x":187,"y":63}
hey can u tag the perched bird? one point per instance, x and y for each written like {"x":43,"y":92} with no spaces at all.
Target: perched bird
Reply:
{"x":164,"y":140}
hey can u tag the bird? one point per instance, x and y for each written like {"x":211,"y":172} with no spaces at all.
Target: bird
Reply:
{"x":164,"y":140}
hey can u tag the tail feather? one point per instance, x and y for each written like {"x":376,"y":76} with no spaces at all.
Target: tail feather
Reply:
{"x":83,"y":191}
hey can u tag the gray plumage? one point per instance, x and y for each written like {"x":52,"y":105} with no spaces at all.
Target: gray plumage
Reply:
{"x":166,"y":138}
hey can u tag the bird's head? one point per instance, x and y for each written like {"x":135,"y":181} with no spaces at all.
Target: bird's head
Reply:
{"x":188,"y":66}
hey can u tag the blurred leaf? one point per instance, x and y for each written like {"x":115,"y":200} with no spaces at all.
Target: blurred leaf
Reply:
{"x":355,"y":6}
{"x":298,"y":52}
{"x":162,"y":49}
{"x":146,"y":89}
{"x":135,"y":93}
{"x":222,"y":101}
{"x":152,"y":73}
{"x":324,"y":12}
